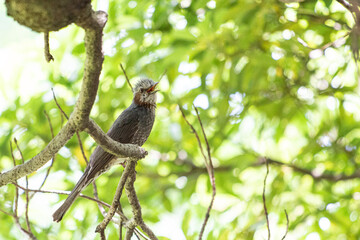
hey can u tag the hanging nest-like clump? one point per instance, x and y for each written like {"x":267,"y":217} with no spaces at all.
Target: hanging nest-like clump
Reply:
{"x":46,"y":15}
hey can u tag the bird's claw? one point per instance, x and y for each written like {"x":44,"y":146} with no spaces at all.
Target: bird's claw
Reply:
{"x":143,"y":152}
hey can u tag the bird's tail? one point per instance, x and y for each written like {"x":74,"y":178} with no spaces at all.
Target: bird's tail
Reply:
{"x":60,"y":212}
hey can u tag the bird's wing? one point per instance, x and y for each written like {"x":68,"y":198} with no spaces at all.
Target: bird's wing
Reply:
{"x":123,"y":130}
{"x":125,"y":126}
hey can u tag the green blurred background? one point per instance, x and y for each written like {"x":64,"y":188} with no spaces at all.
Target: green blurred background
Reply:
{"x":266,"y":82}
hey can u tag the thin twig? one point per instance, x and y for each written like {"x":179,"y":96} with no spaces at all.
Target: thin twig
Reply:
{"x":96,"y":196}
{"x":264,"y":199}
{"x":287,"y":225}
{"x":54,"y":156}
{"x":325,"y":46}
{"x":137,"y":235}
{"x":210,"y":172}
{"x":127,"y":79}
{"x":208,"y":164}
{"x":5,"y":212}
{"x":196,"y":135}
{"x":47,"y":53}
{"x":62,"y":193}
{"x":12,"y":154}
{"x":58,"y":105}
{"x":162,"y":75}
{"x":77,"y":132}
{"x":206,"y":141}
{"x":61,"y":120}
{"x":324,"y":176}
{"x":122,"y":216}
{"x":16,"y":190}
{"x":346,"y":4}
{"x":16,"y":203}
{"x":26,"y":192}
{"x":81,"y":147}
{"x":329,"y":44}
{"x":50,"y":125}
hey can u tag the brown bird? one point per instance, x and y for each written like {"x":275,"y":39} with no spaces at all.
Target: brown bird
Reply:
{"x":132,"y":126}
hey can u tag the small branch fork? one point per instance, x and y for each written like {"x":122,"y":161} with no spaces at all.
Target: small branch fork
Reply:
{"x":27,"y":231}
{"x":103,"y":204}
{"x":93,"y":23}
{"x":208,"y":164}
{"x":127,"y":181}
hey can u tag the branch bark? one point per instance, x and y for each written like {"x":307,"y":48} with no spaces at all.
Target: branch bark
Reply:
{"x":116,"y":201}
{"x":135,"y":205}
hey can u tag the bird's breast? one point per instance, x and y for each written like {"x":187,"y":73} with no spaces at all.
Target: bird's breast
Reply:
{"x":146,"y":118}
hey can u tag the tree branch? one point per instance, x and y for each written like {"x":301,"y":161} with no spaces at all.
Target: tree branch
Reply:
{"x":287,"y":225}
{"x":112,"y":146}
{"x":127,"y":79}
{"x":53,"y":158}
{"x":324,"y":176}
{"x":93,"y":23}
{"x":135,"y":205}
{"x":208,"y":164}
{"x":264,"y":199}
{"x":116,"y":201}
{"x":40,"y":159}
{"x":346,"y":4}
{"x":16,"y":203}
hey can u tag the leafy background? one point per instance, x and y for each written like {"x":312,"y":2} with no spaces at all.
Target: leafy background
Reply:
{"x":267,"y":83}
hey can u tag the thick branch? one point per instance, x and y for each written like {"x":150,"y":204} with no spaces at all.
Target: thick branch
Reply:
{"x":112,"y":146}
{"x":39,"y":160}
{"x":93,"y":23}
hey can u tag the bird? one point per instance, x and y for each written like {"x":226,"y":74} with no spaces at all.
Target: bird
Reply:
{"x":133,"y":126}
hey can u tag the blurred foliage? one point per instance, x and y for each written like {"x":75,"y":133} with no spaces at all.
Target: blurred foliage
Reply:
{"x":270,"y":79}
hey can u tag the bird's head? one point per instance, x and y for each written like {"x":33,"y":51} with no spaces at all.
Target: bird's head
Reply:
{"x":145,"y":93}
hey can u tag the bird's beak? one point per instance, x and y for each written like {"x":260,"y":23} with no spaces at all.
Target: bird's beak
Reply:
{"x":152,"y":88}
